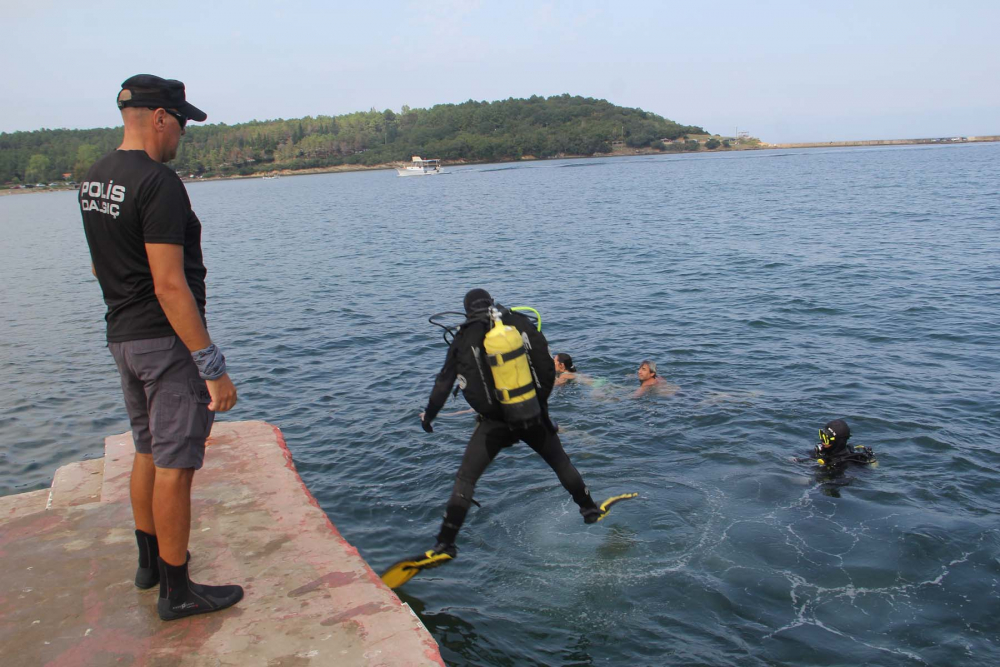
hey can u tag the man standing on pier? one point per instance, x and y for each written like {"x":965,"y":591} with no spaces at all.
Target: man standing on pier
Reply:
{"x":145,"y":247}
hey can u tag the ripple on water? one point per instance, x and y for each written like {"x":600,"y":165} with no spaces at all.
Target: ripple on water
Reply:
{"x":777,"y":290}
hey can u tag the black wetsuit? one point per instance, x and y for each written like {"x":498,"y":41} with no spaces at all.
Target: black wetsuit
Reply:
{"x":466,"y":362}
{"x":842,"y":454}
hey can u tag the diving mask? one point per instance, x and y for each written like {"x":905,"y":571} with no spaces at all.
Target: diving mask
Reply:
{"x":827,"y":436}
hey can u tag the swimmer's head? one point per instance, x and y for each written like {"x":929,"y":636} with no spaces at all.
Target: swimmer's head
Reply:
{"x":835,"y":434}
{"x":564,"y":363}
{"x":476,"y":300}
{"x":647,"y":370}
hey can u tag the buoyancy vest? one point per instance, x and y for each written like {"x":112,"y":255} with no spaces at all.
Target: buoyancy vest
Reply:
{"x":844,"y":454}
{"x":475,"y":374}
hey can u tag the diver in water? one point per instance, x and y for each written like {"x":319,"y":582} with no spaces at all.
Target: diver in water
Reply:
{"x":833,"y":450}
{"x":501,"y":362}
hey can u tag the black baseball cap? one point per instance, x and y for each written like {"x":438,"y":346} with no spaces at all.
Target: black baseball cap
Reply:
{"x":147,"y":90}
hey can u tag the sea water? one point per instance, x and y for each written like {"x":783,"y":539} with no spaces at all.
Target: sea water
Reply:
{"x":777,"y":289}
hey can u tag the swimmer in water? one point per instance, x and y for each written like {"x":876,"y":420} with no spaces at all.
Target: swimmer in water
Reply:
{"x":565,"y":370}
{"x":651,"y":383}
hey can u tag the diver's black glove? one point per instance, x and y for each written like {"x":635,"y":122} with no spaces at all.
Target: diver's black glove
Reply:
{"x":426,"y":425}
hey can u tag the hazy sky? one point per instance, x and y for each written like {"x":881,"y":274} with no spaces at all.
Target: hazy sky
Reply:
{"x":784,"y":71}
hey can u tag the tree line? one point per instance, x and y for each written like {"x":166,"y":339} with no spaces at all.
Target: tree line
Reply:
{"x":473,"y":131}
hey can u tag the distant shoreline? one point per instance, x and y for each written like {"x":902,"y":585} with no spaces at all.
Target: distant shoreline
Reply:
{"x":940,"y":141}
{"x":530,"y":158}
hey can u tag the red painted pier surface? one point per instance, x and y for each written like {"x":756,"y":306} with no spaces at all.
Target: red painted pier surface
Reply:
{"x":68,"y":558}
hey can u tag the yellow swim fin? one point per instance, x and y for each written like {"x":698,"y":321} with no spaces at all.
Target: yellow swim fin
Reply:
{"x":605,"y":507}
{"x":401,"y":572}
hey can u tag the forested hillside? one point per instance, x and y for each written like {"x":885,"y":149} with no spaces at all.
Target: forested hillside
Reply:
{"x":475,"y":131}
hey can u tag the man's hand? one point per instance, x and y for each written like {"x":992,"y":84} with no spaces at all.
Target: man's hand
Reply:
{"x":426,"y":425}
{"x":223,"y":393}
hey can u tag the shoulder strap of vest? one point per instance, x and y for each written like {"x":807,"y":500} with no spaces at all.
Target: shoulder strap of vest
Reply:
{"x":481,"y":316}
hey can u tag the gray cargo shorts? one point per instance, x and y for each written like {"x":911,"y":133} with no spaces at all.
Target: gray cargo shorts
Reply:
{"x":167,"y":401}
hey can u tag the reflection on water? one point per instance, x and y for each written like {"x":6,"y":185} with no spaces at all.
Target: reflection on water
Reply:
{"x":774,"y":292}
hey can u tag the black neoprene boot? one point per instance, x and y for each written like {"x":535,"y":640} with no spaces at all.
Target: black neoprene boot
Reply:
{"x":588,"y":508}
{"x":446,"y":548}
{"x":147,"y":574}
{"x":180,"y":597}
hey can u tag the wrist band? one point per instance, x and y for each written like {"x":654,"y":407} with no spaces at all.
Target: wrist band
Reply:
{"x":210,"y":362}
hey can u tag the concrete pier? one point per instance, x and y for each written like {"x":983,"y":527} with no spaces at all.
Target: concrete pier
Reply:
{"x":68,"y":558}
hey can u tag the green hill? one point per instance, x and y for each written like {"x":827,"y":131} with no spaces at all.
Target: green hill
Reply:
{"x":471,"y":131}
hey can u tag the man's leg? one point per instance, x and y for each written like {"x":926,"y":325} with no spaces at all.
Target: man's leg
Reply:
{"x":179,"y":423}
{"x":547,"y":444}
{"x":486,"y":442}
{"x":141,"y":488}
{"x":175,"y":424}
{"x":147,"y":574}
{"x":179,"y":596}
{"x":171,"y":509}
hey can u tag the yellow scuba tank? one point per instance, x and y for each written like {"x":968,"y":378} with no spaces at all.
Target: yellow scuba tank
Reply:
{"x":512,"y":374}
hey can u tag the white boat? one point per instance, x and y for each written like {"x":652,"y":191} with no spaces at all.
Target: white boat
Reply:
{"x":271,"y":178}
{"x":420,"y":167}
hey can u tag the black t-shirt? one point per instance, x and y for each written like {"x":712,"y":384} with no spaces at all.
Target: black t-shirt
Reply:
{"x":128,"y":200}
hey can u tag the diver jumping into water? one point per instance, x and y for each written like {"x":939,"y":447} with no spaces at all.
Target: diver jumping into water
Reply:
{"x":501,"y":362}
